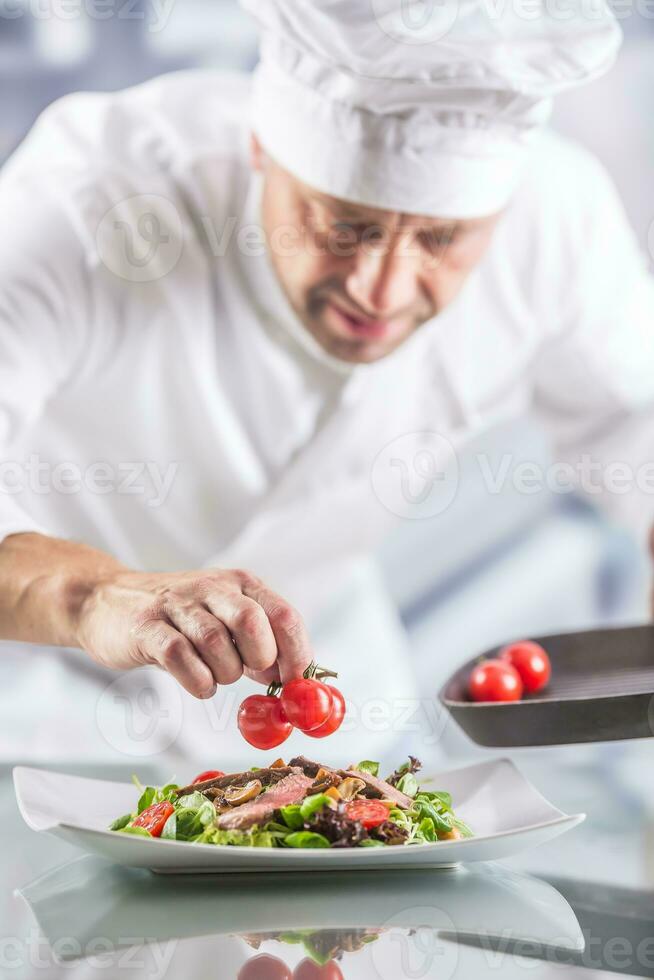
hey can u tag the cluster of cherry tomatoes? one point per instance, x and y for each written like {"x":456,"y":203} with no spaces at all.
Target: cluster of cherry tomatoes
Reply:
{"x":307,"y":703}
{"x":520,"y":668}
{"x":266,"y":967}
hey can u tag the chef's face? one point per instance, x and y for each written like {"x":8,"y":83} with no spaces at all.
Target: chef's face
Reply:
{"x":362,"y":280}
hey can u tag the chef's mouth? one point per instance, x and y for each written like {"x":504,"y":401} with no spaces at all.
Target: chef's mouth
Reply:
{"x":352,"y":324}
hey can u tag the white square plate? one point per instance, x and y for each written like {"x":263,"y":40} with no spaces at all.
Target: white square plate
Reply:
{"x":506,"y":813}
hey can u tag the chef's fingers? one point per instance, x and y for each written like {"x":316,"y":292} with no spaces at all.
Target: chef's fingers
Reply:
{"x":161,"y":643}
{"x":211,"y":639}
{"x":265,"y":677}
{"x":248,"y":625}
{"x":294,"y":652}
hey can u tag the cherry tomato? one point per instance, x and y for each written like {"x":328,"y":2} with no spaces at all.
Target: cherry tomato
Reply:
{"x":154,"y":817}
{"x":495,"y":680}
{"x":370,"y":813}
{"x":308,"y":970}
{"x":262,"y":722}
{"x":264,"y":967}
{"x":531,"y":662}
{"x":335,"y":720}
{"x":307,"y":703}
{"x":209,"y":774}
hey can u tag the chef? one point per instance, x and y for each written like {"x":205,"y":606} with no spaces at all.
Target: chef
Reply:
{"x":223,"y":299}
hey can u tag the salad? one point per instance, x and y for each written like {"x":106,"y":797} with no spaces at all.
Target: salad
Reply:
{"x":321,"y":946}
{"x":302,"y":804}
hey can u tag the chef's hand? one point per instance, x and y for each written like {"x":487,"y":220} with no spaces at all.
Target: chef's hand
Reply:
{"x":205,"y":628}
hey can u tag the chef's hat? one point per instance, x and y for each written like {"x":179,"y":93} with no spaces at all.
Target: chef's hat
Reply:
{"x":419,"y":106}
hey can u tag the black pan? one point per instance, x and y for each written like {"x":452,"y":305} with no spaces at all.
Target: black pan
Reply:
{"x":602,"y":689}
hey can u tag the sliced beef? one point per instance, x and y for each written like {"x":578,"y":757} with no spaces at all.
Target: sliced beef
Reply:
{"x":291,"y":789}
{"x":308,"y":767}
{"x":330,"y":777}
{"x":375,"y":787}
{"x":378,"y":789}
{"x":268,"y":777}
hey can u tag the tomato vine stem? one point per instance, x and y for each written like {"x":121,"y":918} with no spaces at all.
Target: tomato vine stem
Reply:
{"x":315,"y":672}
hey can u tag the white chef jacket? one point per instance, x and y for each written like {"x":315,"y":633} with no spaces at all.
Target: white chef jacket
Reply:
{"x":159,"y":399}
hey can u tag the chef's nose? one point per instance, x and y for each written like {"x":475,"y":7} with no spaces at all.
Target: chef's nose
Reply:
{"x":383,"y":279}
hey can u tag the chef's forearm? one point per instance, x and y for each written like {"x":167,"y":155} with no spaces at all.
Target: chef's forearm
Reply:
{"x":44,"y":583}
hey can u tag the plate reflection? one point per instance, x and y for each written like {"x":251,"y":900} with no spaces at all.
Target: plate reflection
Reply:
{"x":382,"y":925}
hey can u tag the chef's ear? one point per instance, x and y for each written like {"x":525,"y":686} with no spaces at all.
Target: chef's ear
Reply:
{"x":257,"y":154}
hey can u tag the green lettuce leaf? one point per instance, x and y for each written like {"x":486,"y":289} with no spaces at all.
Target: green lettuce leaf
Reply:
{"x":428,"y":830}
{"x":292,"y":817}
{"x":169,"y":831}
{"x":146,"y":799}
{"x":192,"y":821}
{"x":312,"y":804}
{"x":442,"y":821}
{"x":408,"y":784}
{"x":121,"y":822}
{"x":193,"y":801}
{"x":306,"y":839}
{"x":442,"y":800}
{"x":368,"y":766}
{"x":167,"y":792}
{"x":136,"y":831}
{"x":236,"y":838}
{"x":462,"y":827}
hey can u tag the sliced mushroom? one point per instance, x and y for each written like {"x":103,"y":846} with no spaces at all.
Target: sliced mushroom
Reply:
{"x":237,"y":795}
{"x":277,"y":764}
{"x":324,"y":780}
{"x":349,"y":788}
{"x":333,"y":794}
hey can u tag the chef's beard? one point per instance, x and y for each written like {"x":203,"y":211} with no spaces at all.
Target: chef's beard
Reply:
{"x":358,"y":350}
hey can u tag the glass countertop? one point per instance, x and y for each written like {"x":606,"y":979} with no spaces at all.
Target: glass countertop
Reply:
{"x":580,"y":906}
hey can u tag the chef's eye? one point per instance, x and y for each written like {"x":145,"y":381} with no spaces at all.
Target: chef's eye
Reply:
{"x":349,"y":230}
{"x":359,"y":231}
{"x":344,"y":228}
